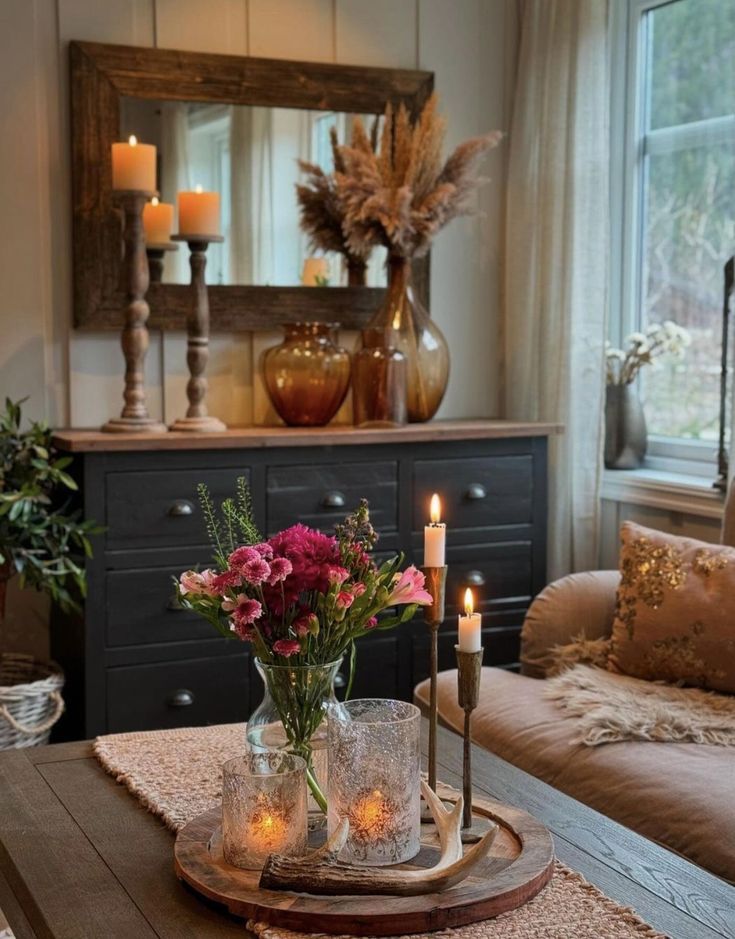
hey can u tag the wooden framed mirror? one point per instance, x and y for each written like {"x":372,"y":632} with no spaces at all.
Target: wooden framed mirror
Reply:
{"x":223,"y":99}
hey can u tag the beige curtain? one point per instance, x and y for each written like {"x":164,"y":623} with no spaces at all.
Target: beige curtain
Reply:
{"x":175,"y":177}
{"x":252,"y":247}
{"x":556,"y":266}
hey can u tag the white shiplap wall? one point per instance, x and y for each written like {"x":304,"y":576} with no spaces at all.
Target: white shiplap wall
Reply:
{"x":75,"y":378}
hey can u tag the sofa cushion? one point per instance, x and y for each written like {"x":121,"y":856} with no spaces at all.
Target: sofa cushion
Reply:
{"x":675,"y":614}
{"x":678,"y":794}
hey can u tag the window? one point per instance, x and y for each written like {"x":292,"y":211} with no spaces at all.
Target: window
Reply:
{"x":676,"y":124}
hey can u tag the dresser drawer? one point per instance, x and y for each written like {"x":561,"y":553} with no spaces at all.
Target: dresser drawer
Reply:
{"x":477,"y":492}
{"x":159,"y":508}
{"x":185,"y":693}
{"x":141,"y":608}
{"x":320,"y":495}
{"x":493,"y":572}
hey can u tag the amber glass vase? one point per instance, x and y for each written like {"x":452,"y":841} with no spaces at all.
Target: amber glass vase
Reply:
{"x":378,"y":381}
{"x":419,"y":339}
{"x":307,"y":375}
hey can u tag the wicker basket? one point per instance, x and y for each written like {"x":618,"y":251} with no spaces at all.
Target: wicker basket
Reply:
{"x":30,"y":700}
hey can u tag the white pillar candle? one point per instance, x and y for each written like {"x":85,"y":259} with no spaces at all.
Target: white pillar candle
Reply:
{"x":134,"y":165}
{"x":470,"y":626}
{"x":435,"y":536}
{"x":198,"y":212}
{"x":315,"y":273}
{"x":158,"y":221}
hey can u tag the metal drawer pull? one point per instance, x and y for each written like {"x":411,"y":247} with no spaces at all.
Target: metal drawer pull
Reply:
{"x":475,"y":579}
{"x":339,"y":680}
{"x":181,"y":507}
{"x":475,"y":492}
{"x":333,"y":500}
{"x":181,"y":698}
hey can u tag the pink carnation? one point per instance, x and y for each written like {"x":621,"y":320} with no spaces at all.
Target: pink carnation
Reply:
{"x":345,"y":599}
{"x":280,"y":569}
{"x":226,"y":580}
{"x":372,"y":622}
{"x":244,"y":609}
{"x":198,"y":583}
{"x":240,"y":557}
{"x":305,"y":624}
{"x":312,"y":556}
{"x":242,"y":631}
{"x":287,"y":647}
{"x":358,"y":589}
{"x":408,"y":587}
{"x":264,"y":550}
{"x":256,"y":571}
{"x":338,"y":575}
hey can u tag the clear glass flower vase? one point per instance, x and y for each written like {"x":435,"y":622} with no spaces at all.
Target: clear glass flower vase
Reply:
{"x":293,"y":717}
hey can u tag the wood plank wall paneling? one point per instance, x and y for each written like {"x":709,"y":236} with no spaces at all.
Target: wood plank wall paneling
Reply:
{"x":77,"y":378}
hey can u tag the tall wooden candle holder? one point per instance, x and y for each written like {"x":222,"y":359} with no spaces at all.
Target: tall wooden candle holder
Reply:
{"x":197,"y":419}
{"x":469,"y":671}
{"x":156,"y":253}
{"x":436,"y":582}
{"x":134,"y":417}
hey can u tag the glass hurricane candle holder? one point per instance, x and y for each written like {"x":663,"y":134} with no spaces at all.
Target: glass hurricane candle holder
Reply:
{"x":374,"y":780}
{"x":263,"y":807}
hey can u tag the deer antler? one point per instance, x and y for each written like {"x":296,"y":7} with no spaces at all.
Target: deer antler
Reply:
{"x":321,"y":873}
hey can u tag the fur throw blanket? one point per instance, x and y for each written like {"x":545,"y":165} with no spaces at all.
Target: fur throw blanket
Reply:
{"x":610,"y":708}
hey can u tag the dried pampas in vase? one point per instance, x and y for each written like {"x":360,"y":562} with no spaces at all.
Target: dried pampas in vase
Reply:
{"x":399,"y":194}
{"x":322,"y":213}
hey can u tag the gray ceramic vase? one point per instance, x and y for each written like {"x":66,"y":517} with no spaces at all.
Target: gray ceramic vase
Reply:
{"x":626,"y":436}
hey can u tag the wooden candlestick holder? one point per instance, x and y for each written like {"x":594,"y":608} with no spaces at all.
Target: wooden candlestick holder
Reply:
{"x":436,"y":583}
{"x":156,"y":252}
{"x":134,"y":417}
{"x":469,"y":671}
{"x":197,"y":419}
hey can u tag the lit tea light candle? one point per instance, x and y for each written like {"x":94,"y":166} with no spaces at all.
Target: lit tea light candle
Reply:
{"x":268,"y":829}
{"x":134,"y":165}
{"x":158,"y":221}
{"x":435,"y":536}
{"x":371,"y":817}
{"x":198,"y":212}
{"x":470,"y":626}
{"x":315,"y":273}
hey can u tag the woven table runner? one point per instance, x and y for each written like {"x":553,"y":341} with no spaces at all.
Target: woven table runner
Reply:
{"x":176,"y":775}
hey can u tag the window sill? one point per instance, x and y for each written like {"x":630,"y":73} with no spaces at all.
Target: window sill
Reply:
{"x":676,"y":492}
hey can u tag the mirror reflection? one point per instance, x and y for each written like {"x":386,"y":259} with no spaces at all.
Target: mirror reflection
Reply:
{"x":249,"y":155}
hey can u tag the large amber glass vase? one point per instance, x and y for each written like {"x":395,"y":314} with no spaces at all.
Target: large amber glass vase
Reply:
{"x":307,"y":375}
{"x":420,"y":340}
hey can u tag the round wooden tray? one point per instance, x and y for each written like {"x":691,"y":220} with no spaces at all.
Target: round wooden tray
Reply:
{"x":520,"y":864}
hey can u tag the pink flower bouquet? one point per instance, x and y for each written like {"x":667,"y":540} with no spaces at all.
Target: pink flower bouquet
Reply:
{"x":300,"y":597}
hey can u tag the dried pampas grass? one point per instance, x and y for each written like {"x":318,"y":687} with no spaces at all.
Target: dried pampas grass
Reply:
{"x":399,"y":194}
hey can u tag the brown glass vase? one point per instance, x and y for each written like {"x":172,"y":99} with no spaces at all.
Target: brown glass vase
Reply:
{"x":417,"y":336}
{"x":307,"y":375}
{"x":378,"y":381}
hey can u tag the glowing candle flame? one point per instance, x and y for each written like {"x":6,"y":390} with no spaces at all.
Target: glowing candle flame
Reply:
{"x":469,"y":602}
{"x":435,"y":511}
{"x":198,"y":188}
{"x":133,"y":140}
{"x":154,"y":200}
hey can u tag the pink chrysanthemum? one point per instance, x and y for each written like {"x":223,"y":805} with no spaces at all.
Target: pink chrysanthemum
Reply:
{"x":311,"y":554}
{"x":241,"y":556}
{"x":226,"y":580}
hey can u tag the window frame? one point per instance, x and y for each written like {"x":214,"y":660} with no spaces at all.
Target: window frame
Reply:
{"x":631,"y":144}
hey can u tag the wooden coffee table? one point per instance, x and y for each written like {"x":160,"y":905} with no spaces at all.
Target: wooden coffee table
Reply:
{"x":79,"y":856}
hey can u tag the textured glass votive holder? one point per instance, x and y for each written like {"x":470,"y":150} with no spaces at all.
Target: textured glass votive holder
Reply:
{"x":374,"y":780}
{"x":264,"y":812}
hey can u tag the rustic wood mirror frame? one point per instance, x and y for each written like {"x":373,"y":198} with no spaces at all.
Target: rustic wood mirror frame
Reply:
{"x":101,"y":74}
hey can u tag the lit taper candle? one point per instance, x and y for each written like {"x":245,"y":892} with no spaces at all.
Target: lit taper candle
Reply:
{"x":470,"y":626}
{"x":435,"y":536}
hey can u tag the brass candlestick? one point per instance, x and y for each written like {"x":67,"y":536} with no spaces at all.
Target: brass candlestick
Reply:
{"x":436,"y":581}
{"x":156,"y":252}
{"x":134,"y":417}
{"x":197,"y":419}
{"x":469,"y":670}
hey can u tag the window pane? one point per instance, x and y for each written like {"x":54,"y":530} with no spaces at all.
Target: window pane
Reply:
{"x":689,"y":234}
{"x":692,"y":56}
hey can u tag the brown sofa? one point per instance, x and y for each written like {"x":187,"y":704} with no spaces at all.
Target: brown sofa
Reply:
{"x":678,"y":794}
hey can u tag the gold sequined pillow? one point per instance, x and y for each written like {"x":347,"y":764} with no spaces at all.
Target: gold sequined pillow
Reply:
{"x":675,"y":612}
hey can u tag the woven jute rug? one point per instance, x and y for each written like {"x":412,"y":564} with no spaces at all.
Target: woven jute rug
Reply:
{"x":176,"y":774}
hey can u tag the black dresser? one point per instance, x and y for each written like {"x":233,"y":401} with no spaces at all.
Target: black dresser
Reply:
{"x":134,"y":660}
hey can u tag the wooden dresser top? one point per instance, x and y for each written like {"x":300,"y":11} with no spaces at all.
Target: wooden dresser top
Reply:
{"x":81,"y":441}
